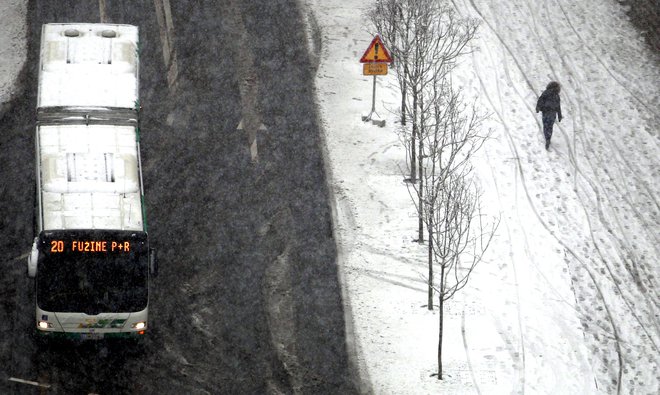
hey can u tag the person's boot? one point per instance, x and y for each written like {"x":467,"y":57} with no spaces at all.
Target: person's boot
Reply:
{"x":547,"y":143}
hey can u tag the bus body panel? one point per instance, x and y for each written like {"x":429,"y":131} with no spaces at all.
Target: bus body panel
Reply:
{"x":89,"y":177}
{"x":88,"y":68}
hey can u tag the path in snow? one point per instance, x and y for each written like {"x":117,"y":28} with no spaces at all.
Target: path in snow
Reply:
{"x":596,"y":191}
{"x":567,"y":299}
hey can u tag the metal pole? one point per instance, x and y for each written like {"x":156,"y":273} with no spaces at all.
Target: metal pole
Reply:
{"x":373,"y":99}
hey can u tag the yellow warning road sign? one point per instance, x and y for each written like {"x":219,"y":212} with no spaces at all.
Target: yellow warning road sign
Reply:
{"x":374,"y":69}
{"x":376,"y":53}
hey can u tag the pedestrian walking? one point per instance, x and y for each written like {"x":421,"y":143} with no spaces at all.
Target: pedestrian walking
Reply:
{"x":549,"y":105}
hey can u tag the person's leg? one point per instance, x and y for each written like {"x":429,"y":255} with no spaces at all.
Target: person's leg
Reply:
{"x":548,"y":121}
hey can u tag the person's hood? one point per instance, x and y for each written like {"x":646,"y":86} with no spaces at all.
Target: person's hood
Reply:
{"x":553,"y":86}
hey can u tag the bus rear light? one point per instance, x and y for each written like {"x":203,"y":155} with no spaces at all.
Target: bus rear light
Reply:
{"x":44,"y":325}
{"x":141,"y":333}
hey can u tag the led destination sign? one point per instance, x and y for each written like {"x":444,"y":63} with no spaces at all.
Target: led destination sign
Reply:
{"x":75,"y":242}
{"x":89,"y":246}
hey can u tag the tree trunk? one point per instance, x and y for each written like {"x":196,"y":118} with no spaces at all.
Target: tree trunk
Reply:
{"x":440,"y":314}
{"x":430,"y":249}
{"x":413,"y":141}
{"x":403,"y":99}
{"x":420,"y":152}
{"x":420,"y":230}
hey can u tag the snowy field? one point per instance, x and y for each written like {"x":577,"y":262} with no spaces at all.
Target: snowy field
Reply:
{"x":567,"y":299}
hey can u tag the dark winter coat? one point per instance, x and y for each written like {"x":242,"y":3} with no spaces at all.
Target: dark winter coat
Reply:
{"x":549,"y":102}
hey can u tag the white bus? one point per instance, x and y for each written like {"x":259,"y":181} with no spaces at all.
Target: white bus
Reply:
{"x":91,"y":258}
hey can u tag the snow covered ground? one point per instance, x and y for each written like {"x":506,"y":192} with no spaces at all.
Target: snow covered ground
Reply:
{"x":567,"y":299}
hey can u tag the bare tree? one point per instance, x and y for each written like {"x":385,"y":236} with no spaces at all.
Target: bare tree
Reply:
{"x":453,"y":135}
{"x":406,"y":28}
{"x":460,"y":240}
{"x":457,"y":235}
{"x":426,"y":39}
{"x":448,"y":39}
{"x":388,"y":19}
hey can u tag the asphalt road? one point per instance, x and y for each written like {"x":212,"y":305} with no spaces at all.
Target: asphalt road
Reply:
{"x":247,"y":300}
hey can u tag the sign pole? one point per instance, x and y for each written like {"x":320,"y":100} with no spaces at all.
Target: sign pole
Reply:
{"x":373,"y":107}
{"x":373,"y":100}
{"x":375,"y":63}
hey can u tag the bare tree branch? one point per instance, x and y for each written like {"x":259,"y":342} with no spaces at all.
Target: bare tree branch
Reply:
{"x":426,"y":39}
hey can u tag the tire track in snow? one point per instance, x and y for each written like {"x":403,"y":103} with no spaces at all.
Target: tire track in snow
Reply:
{"x":596,"y":246}
{"x":532,"y":205}
{"x":639,"y":216}
{"x":546,"y":55}
{"x":602,"y":63}
{"x":525,"y":239}
{"x":522,"y":354}
{"x":570,"y":66}
{"x":518,"y":65}
{"x":572,"y":70}
{"x":587,"y":179}
{"x":547,"y":227}
{"x":508,"y":230}
{"x":467,"y":354}
{"x":595,"y":188}
{"x":521,"y":333}
{"x":615,"y":147}
{"x":615,"y":281}
{"x":549,"y":62}
{"x":517,"y":159}
{"x":600,"y":212}
{"x":623,"y":229}
{"x":529,"y":84}
{"x":512,"y":146}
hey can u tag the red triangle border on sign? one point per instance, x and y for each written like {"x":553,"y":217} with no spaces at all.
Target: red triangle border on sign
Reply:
{"x":386,"y":54}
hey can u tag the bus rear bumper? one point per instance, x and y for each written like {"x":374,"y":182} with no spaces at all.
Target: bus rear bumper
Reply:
{"x":91,"y":336}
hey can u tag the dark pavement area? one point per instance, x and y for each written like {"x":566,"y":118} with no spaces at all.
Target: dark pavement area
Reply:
{"x":224,"y":227}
